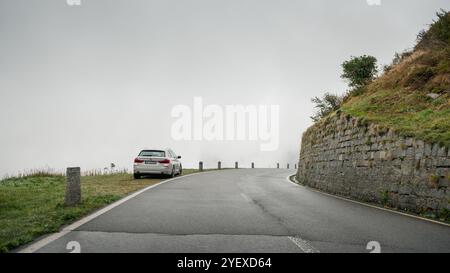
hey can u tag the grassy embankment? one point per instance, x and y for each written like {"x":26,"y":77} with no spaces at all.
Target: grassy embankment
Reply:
{"x":33,"y":205}
{"x":400,"y":98}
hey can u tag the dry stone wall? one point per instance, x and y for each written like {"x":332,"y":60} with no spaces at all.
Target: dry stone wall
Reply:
{"x":346,"y":156}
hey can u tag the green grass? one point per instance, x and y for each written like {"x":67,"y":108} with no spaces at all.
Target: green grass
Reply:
{"x":411,"y":114}
{"x":33,"y":206}
{"x":398,"y":98}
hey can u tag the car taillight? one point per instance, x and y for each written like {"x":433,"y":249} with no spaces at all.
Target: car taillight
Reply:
{"x":137,"y":160}
{"x":165,"y":161}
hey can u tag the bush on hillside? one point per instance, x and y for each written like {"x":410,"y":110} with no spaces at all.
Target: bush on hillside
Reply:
{"x":359,"y":71}
{"x":326,"y":105}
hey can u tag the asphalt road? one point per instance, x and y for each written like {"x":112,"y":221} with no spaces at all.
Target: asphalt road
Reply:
{"x":248,"y":210}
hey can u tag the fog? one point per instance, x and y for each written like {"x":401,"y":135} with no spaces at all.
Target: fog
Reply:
{"x":91,"y":85}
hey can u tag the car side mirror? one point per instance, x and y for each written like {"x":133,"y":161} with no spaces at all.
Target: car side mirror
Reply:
{"x":179,"y":156}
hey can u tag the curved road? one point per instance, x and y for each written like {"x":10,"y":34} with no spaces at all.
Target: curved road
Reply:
{"x":248,"y":210}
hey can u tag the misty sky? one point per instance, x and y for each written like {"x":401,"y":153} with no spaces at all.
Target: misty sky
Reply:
{"x":93,"y":84}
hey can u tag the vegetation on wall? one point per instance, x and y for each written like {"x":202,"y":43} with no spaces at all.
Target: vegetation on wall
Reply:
{"x":328,"y":104}
{"x":412,"y":96}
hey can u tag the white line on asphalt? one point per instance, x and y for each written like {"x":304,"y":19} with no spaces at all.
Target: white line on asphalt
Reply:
{"x":245,"y":197}
{"x":50,"y":238}
{"x":305,"y":246}
{"x":288,"y":178}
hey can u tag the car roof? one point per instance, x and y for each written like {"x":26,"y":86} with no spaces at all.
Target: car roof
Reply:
{"x":165,"y":149}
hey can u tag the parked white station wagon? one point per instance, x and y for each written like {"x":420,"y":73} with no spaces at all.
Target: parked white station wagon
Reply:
{"x":164,"y":162}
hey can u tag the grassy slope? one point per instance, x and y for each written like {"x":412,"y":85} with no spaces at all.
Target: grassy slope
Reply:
{"x":409,"y":114}
{"x":398,"y":99}
{"x":34,"y":206}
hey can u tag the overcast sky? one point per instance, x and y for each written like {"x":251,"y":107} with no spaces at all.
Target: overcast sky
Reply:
{"x":93,"y":84}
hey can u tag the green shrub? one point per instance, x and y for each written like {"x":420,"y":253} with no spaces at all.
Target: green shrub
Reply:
{"x":326,"y":105}
{"x":359,"y":71}
{"x":384,"y":198}
{"x":444,"y":214}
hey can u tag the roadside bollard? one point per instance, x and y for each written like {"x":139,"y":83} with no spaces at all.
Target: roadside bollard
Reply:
{"x":278,"y":165}
{"x":295,"y":166}
{"x":219,"y":165}
{"x":73,"y":187}
{"x":253,"y":165}
{"x":236,"y":166}
{"x":288,"y":165}
{"x":200,"y":166}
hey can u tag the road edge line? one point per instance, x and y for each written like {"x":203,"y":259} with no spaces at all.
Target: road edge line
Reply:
{"x":34,"y":246}
{"x":364,"y":204}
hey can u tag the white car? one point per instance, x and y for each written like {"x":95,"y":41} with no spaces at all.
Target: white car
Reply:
{"x":164,"y":162}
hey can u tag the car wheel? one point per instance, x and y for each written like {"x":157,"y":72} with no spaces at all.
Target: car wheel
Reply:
{"x":172,"y":174}
{"x":137,"y":176}
{"x":180,"y":170}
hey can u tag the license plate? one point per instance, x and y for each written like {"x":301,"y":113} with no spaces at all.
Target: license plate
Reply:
{"x":149,"y":162}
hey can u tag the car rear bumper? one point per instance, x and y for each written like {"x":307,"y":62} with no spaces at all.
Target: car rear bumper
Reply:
{"x":146,"y":169}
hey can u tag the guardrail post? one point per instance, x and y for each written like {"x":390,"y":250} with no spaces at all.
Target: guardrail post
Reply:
{"x":253,"y":165}
{"x":278,"y":165}
{"x":200,"y":166}
{"x":219,"y":165}
{"x":236,"y":165}
{"x":73,"y":187}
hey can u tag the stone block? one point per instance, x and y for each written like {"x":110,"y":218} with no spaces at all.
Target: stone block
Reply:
{"x":409,"y":142}
{"x":427,"y":149}
{"x":442,"y":151}
{"x":73,"y":186}
{"x":404,"y":190}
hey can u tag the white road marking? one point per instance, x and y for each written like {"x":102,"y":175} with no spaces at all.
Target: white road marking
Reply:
{"x":365,"y":204}
{"x":305,"y":246}
{"x":47,"y":240}
{"x":246,"y":198}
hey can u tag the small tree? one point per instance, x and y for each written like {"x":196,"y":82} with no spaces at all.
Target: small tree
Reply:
{"x":326,"y":105}
{"x":359,"y":71}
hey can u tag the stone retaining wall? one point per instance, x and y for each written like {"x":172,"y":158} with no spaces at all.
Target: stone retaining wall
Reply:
{"x":344,"y":155}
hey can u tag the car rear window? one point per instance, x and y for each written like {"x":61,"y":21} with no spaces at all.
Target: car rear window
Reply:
{"x":155,"y":153}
